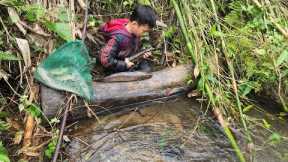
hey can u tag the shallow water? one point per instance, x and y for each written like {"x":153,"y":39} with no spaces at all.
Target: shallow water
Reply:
{"x":165,"y":132}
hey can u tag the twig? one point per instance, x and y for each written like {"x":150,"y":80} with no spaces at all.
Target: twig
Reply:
{"x":257,"y":3}
{"x":91,"y":111}
{"x":72,"y":22}
{"x":107,"y":15}
{"x":82,"y":4}
{"x":62,"y":129}
{"x":85,"y":22}
{"x":127,"y":119}
{"x":280,"y":95}
{"x":42,"y":33}
{"x":16,"y":93}
{"x":5,"y":28}
{"x":164,"y":52}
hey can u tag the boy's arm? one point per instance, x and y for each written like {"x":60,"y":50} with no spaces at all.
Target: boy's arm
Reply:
{"x":108,"y":55}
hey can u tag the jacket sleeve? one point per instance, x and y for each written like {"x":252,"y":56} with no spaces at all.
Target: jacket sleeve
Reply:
{"x":108,"y":55}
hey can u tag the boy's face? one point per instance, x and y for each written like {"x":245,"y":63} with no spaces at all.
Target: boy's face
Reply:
{"x":139,"y":30}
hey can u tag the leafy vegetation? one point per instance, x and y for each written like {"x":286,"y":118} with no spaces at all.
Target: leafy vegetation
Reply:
{"x":49,"y":151}
{"x":3,"y":153}
{"x":239,"y":48}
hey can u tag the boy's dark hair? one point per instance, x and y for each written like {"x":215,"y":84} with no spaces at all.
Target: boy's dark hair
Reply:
{"x":144,"y":15}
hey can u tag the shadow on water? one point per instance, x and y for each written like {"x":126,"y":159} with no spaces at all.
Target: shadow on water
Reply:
{"x":165,"y":132}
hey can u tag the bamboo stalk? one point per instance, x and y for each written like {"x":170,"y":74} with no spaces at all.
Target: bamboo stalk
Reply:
{"x":209,"y":92}
{"x":184,"y":30}
{"x":231,"y":70}
{"x":224,"y":124}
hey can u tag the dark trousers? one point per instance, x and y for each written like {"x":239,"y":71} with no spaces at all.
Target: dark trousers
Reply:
{"x":143,"y":65}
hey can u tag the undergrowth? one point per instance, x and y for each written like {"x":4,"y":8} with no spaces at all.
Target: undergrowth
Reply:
{"x":239,"y":49}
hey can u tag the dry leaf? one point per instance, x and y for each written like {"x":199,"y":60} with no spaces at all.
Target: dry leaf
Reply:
{"x":36,"y":29}
{"x":36,"y":39}
{"x":15,"y":19}
{"x":66,"y":138}
{"x":18,"y":137}
{"x":174,"y":64}
{"x":4,"y":74}
{"x":30,"y":151}
{"x":14,"y":124}
{"x":196,"y":71}
{"x":161,"y":24}
{"x":50,"y":47}
{"x":24,"y":48}
{"x":82,"y":4}
{"x":193,"y":93}
{"x":39,"y":30}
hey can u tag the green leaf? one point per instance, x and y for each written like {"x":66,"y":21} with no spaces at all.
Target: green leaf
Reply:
{"x":62,"y":29}
{"x":7,"y":56}
{"x":11,"y":2}
{"x":200,"y":84}
{"x":3,"y":100}
{"x":34,"y":110}
{"x":3,"y":114}
{"x":248,"y":108}
{"x":170,"y":32}
{"x":282,"y":58}
{"x":54,"y":120}
{"x":275,"y":138}
{"x":3,"y":153}
{"x":128,"y":3}
{"x":190,"y":81}
{"x":63,"y":15}
{"x":4,"y":158}
{"x":266,"y":124}
{"x":260,"y":51}
{"x":144,"y":2}
{"x":3,"y":125}
{"x":51,"y":148}
{"x":214,"y":32}
{"x":245,"y":89}
{"x":34,"y":12}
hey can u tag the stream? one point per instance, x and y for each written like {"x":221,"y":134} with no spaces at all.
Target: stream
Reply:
{"x":174,"y":131}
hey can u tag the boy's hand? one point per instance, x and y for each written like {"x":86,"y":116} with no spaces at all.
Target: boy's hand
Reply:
{"x":128,"y":63}
{"x":147,"y":54}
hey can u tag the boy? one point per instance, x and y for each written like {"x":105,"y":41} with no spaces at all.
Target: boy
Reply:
{"x":123,"y":40}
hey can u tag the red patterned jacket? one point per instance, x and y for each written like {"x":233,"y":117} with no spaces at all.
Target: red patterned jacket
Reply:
{"x":119,"y":45}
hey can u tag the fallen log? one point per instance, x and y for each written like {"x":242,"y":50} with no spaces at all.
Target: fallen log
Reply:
{"x":109,"y":96}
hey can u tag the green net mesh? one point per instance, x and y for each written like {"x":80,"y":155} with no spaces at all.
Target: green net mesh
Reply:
{"x":68,"y":68}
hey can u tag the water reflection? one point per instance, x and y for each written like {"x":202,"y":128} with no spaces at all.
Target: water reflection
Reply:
{"x":175,"y":131}
{"x":169,"y":132}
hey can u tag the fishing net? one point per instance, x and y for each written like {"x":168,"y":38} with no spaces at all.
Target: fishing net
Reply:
{"x":68,"y":68}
